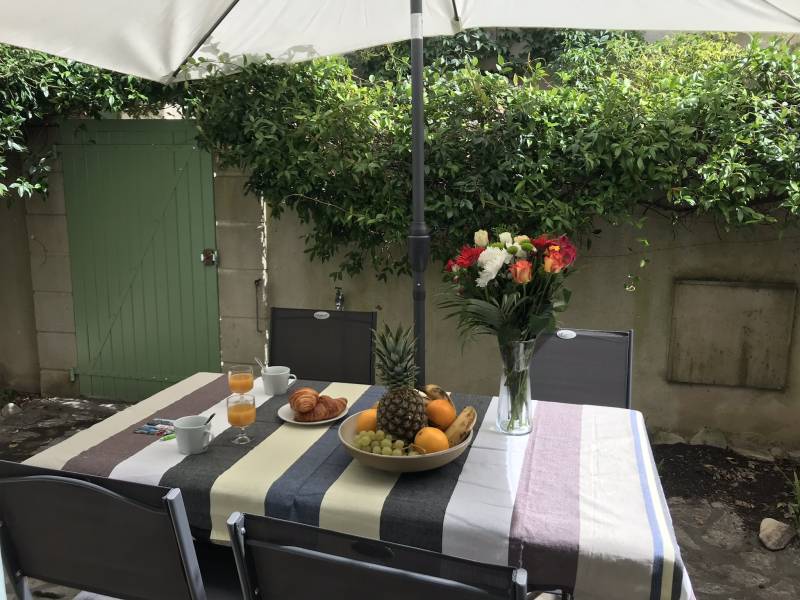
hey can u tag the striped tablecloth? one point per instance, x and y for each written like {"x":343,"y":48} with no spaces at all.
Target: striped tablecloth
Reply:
{"x":577,"y":502}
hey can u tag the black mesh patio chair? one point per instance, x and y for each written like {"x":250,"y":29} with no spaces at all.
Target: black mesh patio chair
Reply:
{"x":280,"y":559}
{"x":593,"y":367}
{"x":323,"y":345}
{"x":69,"y":530}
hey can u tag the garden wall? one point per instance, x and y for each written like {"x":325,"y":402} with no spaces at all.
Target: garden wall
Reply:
{"x":19,"y":364}
{"x":600,"y":301}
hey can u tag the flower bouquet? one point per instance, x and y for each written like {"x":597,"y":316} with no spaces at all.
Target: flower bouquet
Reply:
{"x":510,"y":288}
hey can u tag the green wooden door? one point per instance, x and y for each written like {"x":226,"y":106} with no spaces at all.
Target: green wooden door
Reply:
{"x":140,"y":211}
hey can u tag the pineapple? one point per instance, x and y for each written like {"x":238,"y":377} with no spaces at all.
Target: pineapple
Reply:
{"x":401,"y":410}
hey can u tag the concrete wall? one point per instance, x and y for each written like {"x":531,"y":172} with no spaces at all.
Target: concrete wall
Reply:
{"x":600,"y":301}
{"x":19,"y":360}
{"x":241,"y":244}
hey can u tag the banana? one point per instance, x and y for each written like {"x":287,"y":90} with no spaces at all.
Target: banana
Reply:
{"x":433,"y":391}
{"x":460,"y":428}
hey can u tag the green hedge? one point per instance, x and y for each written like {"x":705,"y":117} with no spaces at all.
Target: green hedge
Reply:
{"x":690,"y":124}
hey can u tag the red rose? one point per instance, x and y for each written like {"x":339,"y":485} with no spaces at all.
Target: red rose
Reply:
{"x":559,"y":254}
{"x":521,"y":271}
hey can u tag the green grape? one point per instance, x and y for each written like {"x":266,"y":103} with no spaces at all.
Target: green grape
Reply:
{"x":375,"y":445}
{"x":399,"y":444}
{"x":413,"y":453}
{"x":397,"y":452}
{"x":388,"y":437}
{"x":386,"y":444}
{"x":370,"y":434}
{"x":376,"y":450}
{"x":379,"y":435}
{"x":387,"y":452}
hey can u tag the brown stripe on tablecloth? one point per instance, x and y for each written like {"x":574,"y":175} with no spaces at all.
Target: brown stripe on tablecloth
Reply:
{"x":102,"y":458}
{"x":545,"y":524}
{"x":195,"y":475}
{"x":413,"y":513}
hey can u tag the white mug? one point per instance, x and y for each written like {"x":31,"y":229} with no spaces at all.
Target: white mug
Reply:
{"x":193,"y":434}
{"x":276,"y":380}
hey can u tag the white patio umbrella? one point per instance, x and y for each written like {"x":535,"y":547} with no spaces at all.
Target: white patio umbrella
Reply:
{"x":154,"y":38}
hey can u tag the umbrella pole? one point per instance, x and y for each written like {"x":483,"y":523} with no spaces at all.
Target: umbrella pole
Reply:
{"x":418,"y":239}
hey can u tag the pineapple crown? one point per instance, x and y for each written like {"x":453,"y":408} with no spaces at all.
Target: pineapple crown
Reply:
{"x":394,"y":357}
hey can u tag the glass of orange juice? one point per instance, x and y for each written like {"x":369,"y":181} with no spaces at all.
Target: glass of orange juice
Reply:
{"x":241,"y":413}
{"x":240,"y":379}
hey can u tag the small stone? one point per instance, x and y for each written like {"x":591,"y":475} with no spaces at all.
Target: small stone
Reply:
{"x":754,"y":453}
{"x":667,"y":438}
{"x":10,"y":409}
{"x":777,"y":452}
{"x":775,"y":535}
{"x":709,"y":437}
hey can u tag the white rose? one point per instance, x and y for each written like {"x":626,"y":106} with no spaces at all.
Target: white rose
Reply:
{"x":521,"y":239}
{"x":491,"y":261}
{"x":506,"y":238}
{"x":482,"y":238}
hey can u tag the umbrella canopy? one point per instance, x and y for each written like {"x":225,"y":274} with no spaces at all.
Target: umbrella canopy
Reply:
{"x":152,"y":38}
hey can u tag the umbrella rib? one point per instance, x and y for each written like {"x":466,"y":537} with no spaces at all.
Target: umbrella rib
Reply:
{"x":207,"y":35}
{"x":455,"y":11}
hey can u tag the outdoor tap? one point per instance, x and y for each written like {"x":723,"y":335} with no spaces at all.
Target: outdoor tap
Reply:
{"x":339,"y":299}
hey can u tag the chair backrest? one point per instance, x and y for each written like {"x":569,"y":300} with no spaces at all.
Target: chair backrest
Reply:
{"x":76,"y":533}
{"x":280,"y":559}
{"x":324,"y":345}
{"x":593,"y":367}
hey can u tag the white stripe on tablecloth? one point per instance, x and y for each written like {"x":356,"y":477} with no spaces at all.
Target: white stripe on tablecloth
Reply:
{"x":477,"y":521}
{"x":149,"y":464}
{"x":662,"y":520}
{"x":614,"y":526}
{"x":57,"y":456}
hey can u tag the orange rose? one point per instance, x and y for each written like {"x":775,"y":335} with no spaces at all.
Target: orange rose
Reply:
{"x":521,"y":271}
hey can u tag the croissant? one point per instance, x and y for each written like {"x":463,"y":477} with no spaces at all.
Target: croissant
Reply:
{"x":326,"y":408}
{"x":303,"y":400}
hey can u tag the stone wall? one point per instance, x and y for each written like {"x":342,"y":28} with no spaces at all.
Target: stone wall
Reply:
{"x":19,"y":360}
{"x":241,"y":243}
{"x":600,"y":301}
{"x":48,"y":247}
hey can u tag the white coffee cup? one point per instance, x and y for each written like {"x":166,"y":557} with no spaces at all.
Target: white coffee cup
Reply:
{"x":276,"y":380}
{"x":193,"y":434}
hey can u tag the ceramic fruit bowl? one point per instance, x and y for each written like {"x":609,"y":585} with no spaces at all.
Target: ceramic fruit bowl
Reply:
{"x":398,"y":464}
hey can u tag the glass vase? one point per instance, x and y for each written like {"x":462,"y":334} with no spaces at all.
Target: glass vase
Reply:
{"x":513,"y":407}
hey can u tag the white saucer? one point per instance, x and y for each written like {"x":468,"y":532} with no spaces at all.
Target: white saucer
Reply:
{"x":286,"y":413}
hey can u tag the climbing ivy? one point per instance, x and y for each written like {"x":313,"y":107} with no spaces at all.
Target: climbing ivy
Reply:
{"x":36,"y":86}
{"x":611,"y":128}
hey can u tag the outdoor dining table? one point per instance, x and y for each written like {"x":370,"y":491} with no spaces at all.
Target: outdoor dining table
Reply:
{"x":577,"y":502}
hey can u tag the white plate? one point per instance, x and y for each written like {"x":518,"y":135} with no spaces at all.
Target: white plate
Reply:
{"x":286,"y":413}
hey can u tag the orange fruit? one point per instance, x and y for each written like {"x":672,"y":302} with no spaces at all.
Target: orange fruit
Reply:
{"x":367,"y":420}
{"x":431,"y":439}
{"x":441,"y":413}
